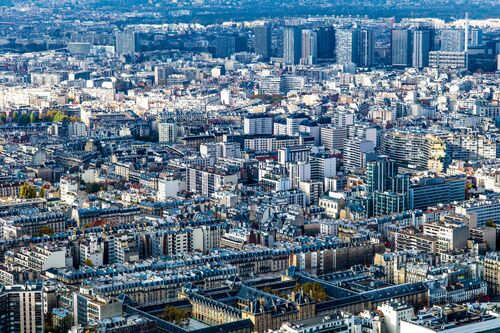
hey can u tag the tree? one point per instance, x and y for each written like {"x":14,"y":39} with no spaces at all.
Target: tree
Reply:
{"x":59,"y":117}
{"x":92,"y":187}
{"x":46,"y":230}
{"x":3,"y":118}
{"x":41,"y":194}
{"x":313,"y":290}
{"x":23,"y":190}
{"x":33,"y":117}
{"x":27,"y":192}
{"x":24,"y":119}
{"x":88,"y":262}
{"x":175,"y":315}
{"x":490,"y":224}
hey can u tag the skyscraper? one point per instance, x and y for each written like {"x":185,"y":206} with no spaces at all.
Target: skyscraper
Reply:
{"x":225,"y":46}
{"x":326,"y":43}
{"x":262,"y":43}
{"x":347,"y":46}
{"x":452,"y":40}
{"x":401,"y":47}
{"x":292,"y":45}
{"x":309,"y":47}
{"x":366,"y":48}
{"x":475,"y":37}
{"x":421,"y":48}
{"x":125,"y":42}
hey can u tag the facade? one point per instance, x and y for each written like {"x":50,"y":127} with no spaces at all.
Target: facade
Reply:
{"x":262,"y":44}
{"x":491,"y":267}
{"x":258,"y":124}
{"x":292,"y":45}
{"x":125,"y":42}
{"x":167,"y":130}
{"x":32,"y":225}
{"x":449,"y":236}
{"x":401,"y":47}
{"x":452,"y":40}
{"x":309,"y":47}
{"x":421,"y":48}
{"x":326,"y":43}
{"x":480,"y":211}
{"x":209,"y":180}
{"x":22,"y":308}
{"x":447,"y":60}
{"x":414,"y":149}
{"x":429,"y":192}
{"x":394,"y":313}
{"x":347,"y":46}
{"x":366,"y":48}
{"x":87,"y":308}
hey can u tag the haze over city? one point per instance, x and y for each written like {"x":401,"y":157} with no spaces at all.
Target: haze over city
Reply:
{"x":265,"y":166}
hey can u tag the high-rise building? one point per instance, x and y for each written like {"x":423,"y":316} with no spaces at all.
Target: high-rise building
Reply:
{"x":366,"y":48}
{"x":21,"y":308}
{"x":326,"y":43}
{"x":322,"y":166}
{"x":161,"y":74}
{"x":357,"y":153}
{"x":475,"y":37}
{"x":414,"y":149}
{"x":347,"y":46}
{"x":309,"y":47}
{"x":396,"y":199}
{"x":125,"y":42}
{"x":258,"y":124}
{"x":379,"y":173}
{"x":262,"y":42}
{"x":167,"y":129}
{"x":292,"y":45}
{"x":452,"y":40}
{"x":401,"y":47}
{"x":421,"y":48}
{"x":227,"y":45}
{"x":444,"y":60}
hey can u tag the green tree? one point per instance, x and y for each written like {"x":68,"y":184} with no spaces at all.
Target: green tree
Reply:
{"x":23,"y":191}
{"x":3,"y":118}
{"x":33,"y":117}
{"x":41,"y":194}
{"x":313,"y":290}
{"x":14,"y":116}
{"x":46,"y":230}
{"x":92,"y":187}
{"x":24,"y":119}
{"x":59,"y":117}
{"x":27,"y":191}
{"x":490,"y":224}
{"x":175,"y":315}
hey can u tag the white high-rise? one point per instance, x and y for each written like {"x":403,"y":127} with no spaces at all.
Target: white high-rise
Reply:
{"x":167,"y":130}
